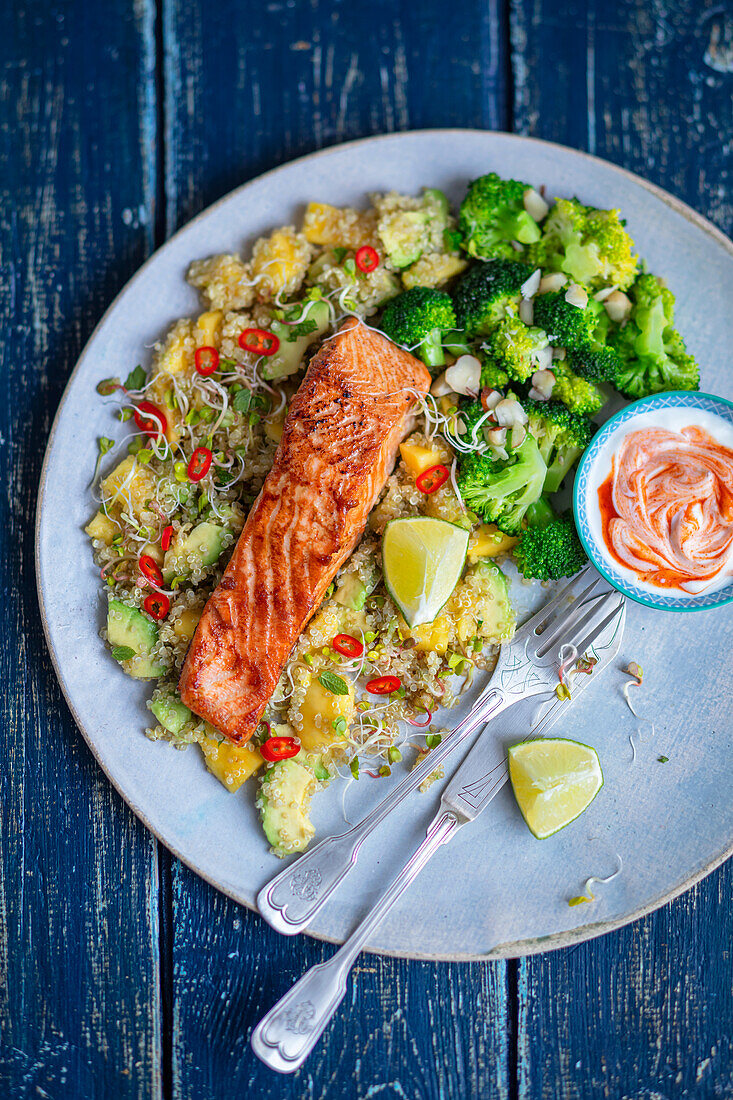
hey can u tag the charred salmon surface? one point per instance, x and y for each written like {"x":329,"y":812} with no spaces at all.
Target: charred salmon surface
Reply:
{"x":338,"y":447}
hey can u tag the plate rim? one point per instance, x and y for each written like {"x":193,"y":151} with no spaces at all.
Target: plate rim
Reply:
{"x":516,"y":949}
{"x":580,"y":510}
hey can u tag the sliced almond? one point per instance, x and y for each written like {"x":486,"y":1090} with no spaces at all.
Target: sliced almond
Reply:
{"x":530,"y":286}
{"x":601,"y":295}
{"x":618,"y":306}
{"x":497,"y":436}
{"x":543,"y":358}
{"x":543,"y":382}
{"x":550,"y":283}
{"x":509,"y":412}
{"x":559,"y":353}
{"x":535,"y":205}
{"x":526,"y":311}
{"x":465,"y":375}
{"x":519,"y":434}
{"x":489,"y":399}
{"x":576,"y":296}
{"x":440,"y":387}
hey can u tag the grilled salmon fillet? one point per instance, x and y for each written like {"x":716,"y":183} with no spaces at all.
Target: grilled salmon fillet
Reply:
{"x":338,"y":447}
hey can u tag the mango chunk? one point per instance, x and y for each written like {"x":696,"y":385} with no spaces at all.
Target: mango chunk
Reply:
{"x":186,"y":623}
{"x":101,"y":527}
{"x":418,"y":457}
{"x":487,"y":541}
{"x":280,"y":261}
{"x":323,"y":704}
{"x":335,"y":226}
{"x":208,"y":329}
{"x":231,"y":764}
{"x":129,"y":486}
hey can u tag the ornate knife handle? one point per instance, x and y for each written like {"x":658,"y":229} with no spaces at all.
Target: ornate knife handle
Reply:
{"x":284,"y":1038}
{"x":293,"y":898}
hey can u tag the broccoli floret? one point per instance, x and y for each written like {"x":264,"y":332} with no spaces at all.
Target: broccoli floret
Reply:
{"x":548,"y":547}
{"x":492,"y":215}
{"x":589,"y":245}
{"x":654,"y":356}
{"x":484,"y":293}
{"x":517,"y":346}
{"x":561,"y":435}
{"x":575,"y":392}
{"x":595,"y":364}
{"x":417,"y":318}
{"x":499,"y":490}
{"x":566,"y":325}
{"x":493,"y":375}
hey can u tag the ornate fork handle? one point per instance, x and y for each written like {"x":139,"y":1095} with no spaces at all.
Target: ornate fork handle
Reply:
{"x":284,"y":1038}
{"x":294,"y":897}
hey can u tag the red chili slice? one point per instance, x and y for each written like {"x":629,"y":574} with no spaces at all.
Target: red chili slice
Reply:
{"x":347,"y":645}
{"x":157,"y":604}
{"x":151,"y":570}
{"x":384,"y":685}
{"x":430,"y":480}
{"x":200,"y":463}
{"x":206,"y":360}
{"x":150,"y":419}
{"x":366,"y":258}
{"x":166,"y":538}
{"x":259,"y":341}
{"x":279,"y":748}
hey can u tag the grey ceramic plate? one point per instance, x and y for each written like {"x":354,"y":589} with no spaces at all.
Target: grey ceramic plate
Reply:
{"x":496,"y":890}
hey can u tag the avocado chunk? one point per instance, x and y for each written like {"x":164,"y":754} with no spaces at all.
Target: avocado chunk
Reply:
{"x":289,"y":356}
{"x":402,"y":236}
{"x":497,"y":616}
{"x":129,"y":629}
{"x":200,"y":547}
{"x":284,"y":802}
{"x":314,"y":761}
{"x":352,"y":591}
{"x":170,"y":712}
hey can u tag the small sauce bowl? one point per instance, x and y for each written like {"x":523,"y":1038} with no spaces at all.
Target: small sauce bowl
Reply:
{"x":663,"y":410}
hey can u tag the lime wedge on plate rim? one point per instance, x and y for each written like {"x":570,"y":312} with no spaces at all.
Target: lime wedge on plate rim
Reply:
{"x":554,"y":781}
{"x":422,"y":561}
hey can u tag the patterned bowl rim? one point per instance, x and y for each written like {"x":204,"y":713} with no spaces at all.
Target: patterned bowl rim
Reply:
{"x":673,"y":399}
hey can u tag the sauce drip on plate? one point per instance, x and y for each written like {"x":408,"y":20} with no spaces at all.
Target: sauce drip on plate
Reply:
{"x":667,"y":506}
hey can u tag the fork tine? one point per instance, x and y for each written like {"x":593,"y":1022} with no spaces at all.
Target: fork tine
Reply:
{"x":569,"y":617}
{"x":580,"y":588}
{"x":592,"y":633}
{"x":582,"y":633}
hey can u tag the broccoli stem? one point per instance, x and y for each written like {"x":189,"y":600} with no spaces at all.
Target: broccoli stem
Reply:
{"x":557,"y":470}
{"x":431,"y":349}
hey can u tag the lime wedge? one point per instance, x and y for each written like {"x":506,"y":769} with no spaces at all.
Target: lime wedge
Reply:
{"x":422,"y":560}
{"x":554,"y":781}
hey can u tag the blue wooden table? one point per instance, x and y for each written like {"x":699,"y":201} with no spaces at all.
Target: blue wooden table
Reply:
{"x":121,"y":974}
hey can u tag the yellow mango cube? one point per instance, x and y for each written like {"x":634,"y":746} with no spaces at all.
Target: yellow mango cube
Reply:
{"x":128,"y":487}
{"x":328,"y":708}
{"x":280,"y":261}
{"x":102,"y":527}
{"x":185,"y":625}
{"x":334,"y":226}
{"x":208,"y":329}
{"x":231,"y":764}
{"x":435,"y":636}
{"x":418,"y":458}
{"x":487,"y":541}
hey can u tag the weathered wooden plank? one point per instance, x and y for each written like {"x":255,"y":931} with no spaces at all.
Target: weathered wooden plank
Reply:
{"x":260,"y":84}
{"x":644,"y":1012}
{"x":644,"y":85}
{"x":78,"y":922}
{"x":254,"y":87}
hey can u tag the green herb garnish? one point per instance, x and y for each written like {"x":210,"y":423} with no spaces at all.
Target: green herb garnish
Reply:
{"x":432,"y":740}
{"x":354,"y":767}
{"x":122,"y":652}
{"x":135,"y":379}
{"x":339,"y":253}
{"x":334,"y":683}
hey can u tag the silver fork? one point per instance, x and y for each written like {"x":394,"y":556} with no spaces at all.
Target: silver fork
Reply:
{"x":284,"y":1038}
{"x":526,"y":667}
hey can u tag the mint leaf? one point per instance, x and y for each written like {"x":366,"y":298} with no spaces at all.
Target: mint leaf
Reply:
{"x":333,"y":683}
{"x":122,"y":652}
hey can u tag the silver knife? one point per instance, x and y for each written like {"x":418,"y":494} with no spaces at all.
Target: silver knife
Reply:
{"x":286,"y":1035}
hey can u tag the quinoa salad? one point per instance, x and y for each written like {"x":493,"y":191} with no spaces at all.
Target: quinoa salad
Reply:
{"x":531,"y":316}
